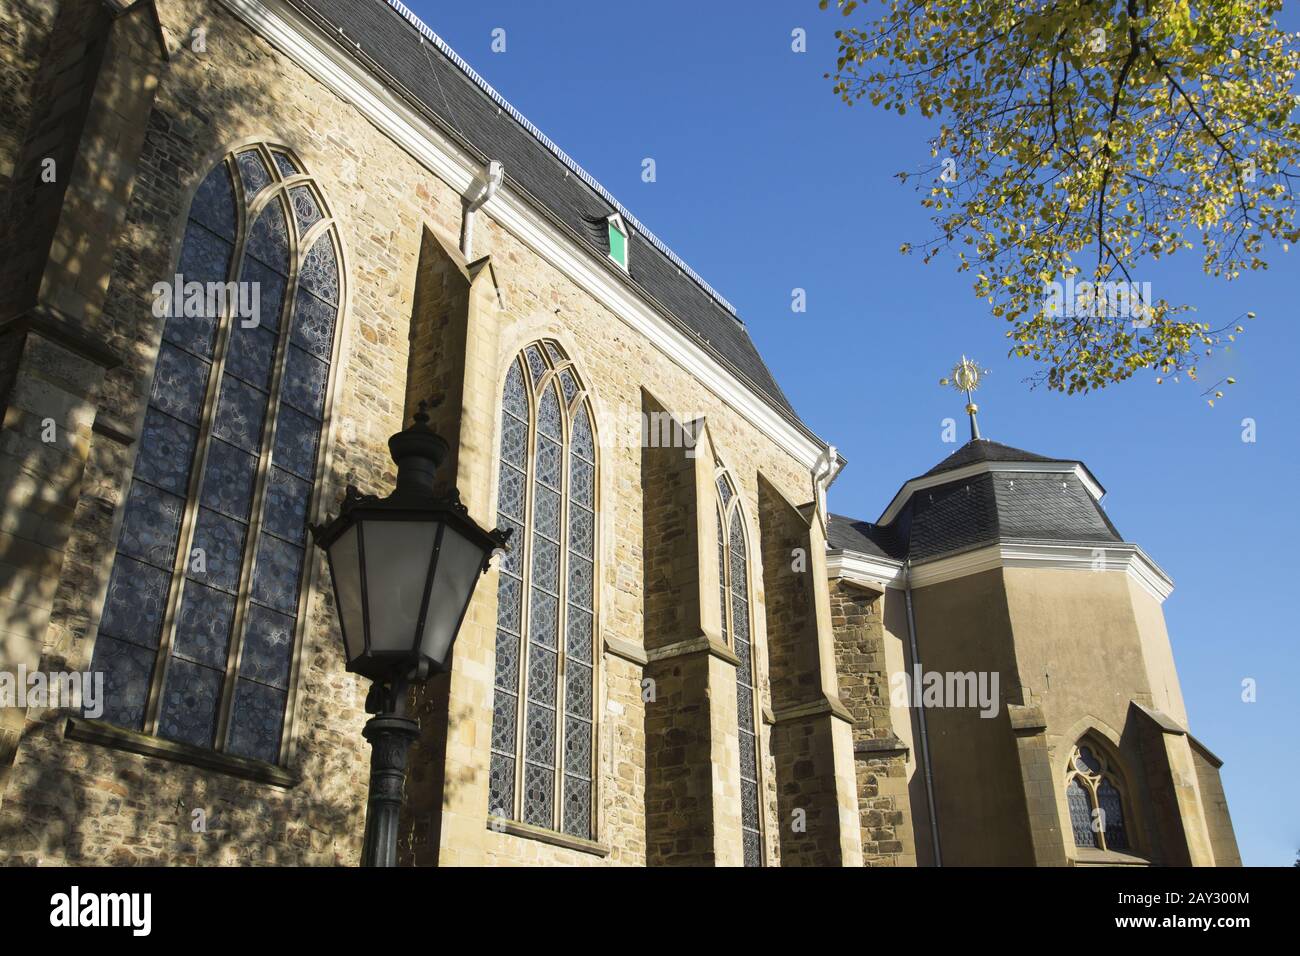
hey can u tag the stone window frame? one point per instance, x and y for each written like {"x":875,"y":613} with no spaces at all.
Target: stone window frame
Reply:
{"x":1108,"y":772}
{"x":326,"y":228}
{"x":556,"y":361}
{"x":729,"y":509}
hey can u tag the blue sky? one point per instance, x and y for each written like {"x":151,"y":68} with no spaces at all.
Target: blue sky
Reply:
{"x":767,"y":183}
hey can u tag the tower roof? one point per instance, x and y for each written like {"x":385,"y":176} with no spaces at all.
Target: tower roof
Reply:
{"x":982,"y":493}
{"x":981,"y":450}
{"x":988,"y":499}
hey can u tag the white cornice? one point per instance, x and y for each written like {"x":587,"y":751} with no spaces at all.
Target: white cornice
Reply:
{"x":865,"y":569}
{"x":984,"y":467}
{"x":1096,"y":558}
{"x":339,"y":71}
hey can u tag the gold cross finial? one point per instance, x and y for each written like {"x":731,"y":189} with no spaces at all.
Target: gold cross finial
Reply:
{"x":965,"y":377}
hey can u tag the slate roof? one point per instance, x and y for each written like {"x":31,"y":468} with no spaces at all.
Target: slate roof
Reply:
{"x":850,"y":534}
{"x":969,"y":512}
{"x":438,"y":82}
{"x":981,"y":449}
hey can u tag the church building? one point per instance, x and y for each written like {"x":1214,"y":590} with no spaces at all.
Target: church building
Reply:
{"x":242,"y":241}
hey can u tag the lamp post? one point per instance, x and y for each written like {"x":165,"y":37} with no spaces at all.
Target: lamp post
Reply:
{"x":404,"y":569}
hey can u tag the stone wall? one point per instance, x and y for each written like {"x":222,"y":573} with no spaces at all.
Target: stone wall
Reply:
{"x":812,"y":744}
{"x":75,"y":802}
{"x":70,"y":801}
{"x":91,"y":90}
{"x":883,"y":804}
{"x":1223,"y":840}
{"x":682,"y":715}
{"x":26,"y":27}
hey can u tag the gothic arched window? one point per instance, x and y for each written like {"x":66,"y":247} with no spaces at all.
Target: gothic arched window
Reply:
{"x":733,"y":581}
{"x":1096,"y":806}
{"x":198,"y":635}
{"x":543,"y":760}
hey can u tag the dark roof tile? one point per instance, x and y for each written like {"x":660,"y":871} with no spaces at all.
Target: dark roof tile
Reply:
{"x":994,"y":506}
{"x":980,"y":450}
{"x":850,"y":534}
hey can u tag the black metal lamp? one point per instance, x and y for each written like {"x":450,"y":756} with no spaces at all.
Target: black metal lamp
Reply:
{"x":404,"y":569}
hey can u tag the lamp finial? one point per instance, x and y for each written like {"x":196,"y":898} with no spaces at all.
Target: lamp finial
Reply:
{"x":418,"y":451}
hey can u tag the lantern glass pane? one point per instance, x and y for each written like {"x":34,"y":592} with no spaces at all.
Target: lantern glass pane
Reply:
{"x":460,"y":562}
{"x":345,"y":569}
{"x":397,"y":570}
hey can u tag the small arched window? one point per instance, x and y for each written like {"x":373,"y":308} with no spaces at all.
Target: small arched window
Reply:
{"x":733,"y":582}
{"x":1096,"y":806}
{"x":543,"y":714}
{"x":201,"y":621}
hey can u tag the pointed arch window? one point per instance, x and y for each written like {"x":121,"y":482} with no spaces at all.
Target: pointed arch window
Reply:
{"x":543,"y":717}
{"x":733,"y":584}
{"x":198,"y":636}
{"x":1094,"y":797}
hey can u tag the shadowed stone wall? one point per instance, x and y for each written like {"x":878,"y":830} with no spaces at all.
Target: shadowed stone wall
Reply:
{"x":812,"y":742}
{"x":884,"y":808}
{"x":68,"y":800}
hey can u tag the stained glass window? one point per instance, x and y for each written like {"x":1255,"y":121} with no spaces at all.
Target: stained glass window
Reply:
{"x":197,"y":636}
{"x":1094,"y":800}
{"x":1112,"y":810}
{"x":1076,"y":795}
{"x":733,"y":585}
{"x":543,"y":720}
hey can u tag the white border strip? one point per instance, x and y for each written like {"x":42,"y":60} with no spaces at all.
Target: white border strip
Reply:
{"x":342,"y":73}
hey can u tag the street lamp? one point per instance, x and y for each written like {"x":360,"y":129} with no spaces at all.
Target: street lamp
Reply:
{"x":404,"y":569}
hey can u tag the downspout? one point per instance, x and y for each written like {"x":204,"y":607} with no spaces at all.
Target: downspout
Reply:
{"x":920,"y":715}
{"x":824,"y":472}
{"x":483,"y":188}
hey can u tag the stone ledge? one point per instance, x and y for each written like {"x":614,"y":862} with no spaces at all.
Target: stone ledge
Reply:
{"x":1091,"y":856}
{"x":815,"y":708}
{"x":111,"y":428}
{"x":542,"y":835}
{"x":890,"y":746}
{"x":696,"y":645}
{"x":626,"y":650}
{"x":1026,"y":720}
{"x":105,"y":735}
{"x":1163,"y":721}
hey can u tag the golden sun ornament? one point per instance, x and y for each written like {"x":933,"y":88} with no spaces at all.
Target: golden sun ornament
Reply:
{"x":965,"y":377}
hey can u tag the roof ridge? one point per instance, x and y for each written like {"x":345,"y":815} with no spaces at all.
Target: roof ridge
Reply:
{"x":407,"y":14}
{"x":979,"y":449}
